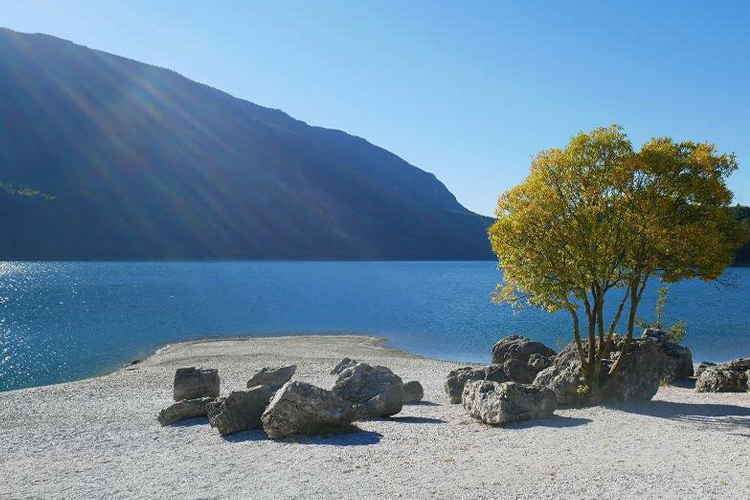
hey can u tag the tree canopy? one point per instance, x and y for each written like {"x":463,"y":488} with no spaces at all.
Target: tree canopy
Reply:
{"x":597,"y":217}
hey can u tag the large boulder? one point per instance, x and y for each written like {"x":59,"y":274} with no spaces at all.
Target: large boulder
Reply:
{"x":520,"y":348}
{"x":497,"y":403}
{"x":678,"y":362}
{"x":518,"y":371}
{"x":733,"y":376}
{"x":456,"y":380}
{"x":240,"y":411}
{"x":703,"y":367}
{"x":374,"y":391}
{"x":413,"y":392}
{"x":184,"y":410}
{"x":637,"y":380}
{"x":343,"y":365}
{"x":302,"y":408}
{"x":273,"y":378}
{"x":194,"y":383}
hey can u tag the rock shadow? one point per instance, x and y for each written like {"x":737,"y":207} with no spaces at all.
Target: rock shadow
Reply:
{"x":357,"y":437}
{"x":556,"y":421}
{"x":423,"y":403}
{"x":416,"y":420}
{"x":241,"y":437}
{"x":191,"y":422}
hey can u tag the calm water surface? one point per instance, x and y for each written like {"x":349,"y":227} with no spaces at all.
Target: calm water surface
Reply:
{"x":67,"y":320}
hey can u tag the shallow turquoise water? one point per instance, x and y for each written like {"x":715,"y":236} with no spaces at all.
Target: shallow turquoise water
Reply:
{"x":67,"y":320}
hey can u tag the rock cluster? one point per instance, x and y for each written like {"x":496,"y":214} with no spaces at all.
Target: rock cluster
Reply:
{"x":637,"y":380}
{"x":283,"y":407}
{"x":497,"y":403}
{"x":733,"y":376}
{"x":457,"y":379}
{"x":514,"y":359}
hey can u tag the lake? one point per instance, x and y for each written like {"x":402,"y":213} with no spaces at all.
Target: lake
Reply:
{"x":63,"y":321}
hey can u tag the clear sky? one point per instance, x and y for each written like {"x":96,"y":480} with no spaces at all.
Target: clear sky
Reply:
{"x":466,"y":90}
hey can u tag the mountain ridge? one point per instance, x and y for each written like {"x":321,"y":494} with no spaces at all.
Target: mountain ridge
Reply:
{"x":121,"y":137}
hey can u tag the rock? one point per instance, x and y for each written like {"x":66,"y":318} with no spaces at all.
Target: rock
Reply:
{"x":520,"y":348}
{"x":655,"y":334}
{"x":374,"y":391}
{"x":638,"y":380}
{"x":702,"y":367}
{"x":518,"y":371}
{"x":184,"y":410}
{"x":343,"y":365}
{"x":678,"y":364}
{"x":302,"y":408}
{"x":733,"y":376}
{"x":273,"y":378}
{"x":413,"y":392}
{"x":497,"y":403}
{"x":194,"y":383}
{"x":456,"y":380}
{"x":240,"y":411}
{"x":538,"y":362}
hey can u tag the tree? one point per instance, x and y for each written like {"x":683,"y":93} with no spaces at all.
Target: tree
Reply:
{"x":597,"y":217}
{"x":677,"y":331}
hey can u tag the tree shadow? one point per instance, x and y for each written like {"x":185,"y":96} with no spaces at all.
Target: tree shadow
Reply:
{"x":422,"y":403}
{"x":556,"y":421}
{"x":703,"y":414}
{"x":417,"y":420}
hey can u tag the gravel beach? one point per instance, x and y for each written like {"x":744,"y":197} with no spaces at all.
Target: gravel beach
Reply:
{"x":99,"y":438}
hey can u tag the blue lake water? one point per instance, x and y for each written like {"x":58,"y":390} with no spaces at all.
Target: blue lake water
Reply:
{"x":67,"y":320}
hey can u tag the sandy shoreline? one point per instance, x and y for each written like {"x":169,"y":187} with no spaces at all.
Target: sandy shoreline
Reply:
{"x":98,"y":438}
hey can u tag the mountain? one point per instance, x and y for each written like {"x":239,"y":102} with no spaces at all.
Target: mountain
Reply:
{"x":103,"y":157}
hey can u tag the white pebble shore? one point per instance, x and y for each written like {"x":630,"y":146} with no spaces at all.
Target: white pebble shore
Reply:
{"x":99,"y":438}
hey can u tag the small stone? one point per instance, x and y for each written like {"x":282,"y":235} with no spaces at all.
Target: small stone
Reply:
{"x":273,"y":378}
{"x":413,"y":392}
{"x":194,"y":383}
{"x":240,"y":411}
{"x":184,"y":410}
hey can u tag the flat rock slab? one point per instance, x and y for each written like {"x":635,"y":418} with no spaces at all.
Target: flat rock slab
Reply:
{"x":184,"y":410}
{"x":193,"y":383}
{"x":272,"y":377}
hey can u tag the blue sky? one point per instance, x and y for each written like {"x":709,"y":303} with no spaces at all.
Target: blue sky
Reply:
{"x":466,"y":90}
